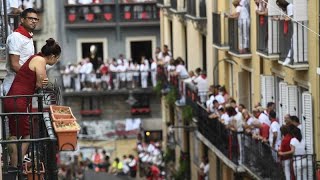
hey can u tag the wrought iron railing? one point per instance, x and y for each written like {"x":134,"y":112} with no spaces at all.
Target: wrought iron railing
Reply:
{"x":160,"y":2}
{"x":267,"y":35}
{"x":239,"y":35}
{"x":107,"y":12}
{"x":216,"y":30}
{"x":139,"y":12}
{"x":174,"y":4}
{"x":202,"y":9}
{"x":293,"y":42}
{"x":191,"y":8}
{"x":42,"y":141}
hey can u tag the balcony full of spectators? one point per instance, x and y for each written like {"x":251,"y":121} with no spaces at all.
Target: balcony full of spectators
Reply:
{"x":106,"y":13}
{"x":252,"y":142}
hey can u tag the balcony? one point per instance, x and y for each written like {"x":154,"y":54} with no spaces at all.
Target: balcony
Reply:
{"x":197,"y":13}
{"x":293,"y":44}
{"x":219,"y":38}
{"x":239,"y":38}
{"x":111,"y":15}
{"x":42,"y":142}
{"x":267,"y":37}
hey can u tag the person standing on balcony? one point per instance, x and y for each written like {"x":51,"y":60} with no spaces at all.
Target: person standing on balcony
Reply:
{"x":243,"y":17}
{"x":288,"y":9}
{"x":20,"y":46}
{"x":31,"y":76}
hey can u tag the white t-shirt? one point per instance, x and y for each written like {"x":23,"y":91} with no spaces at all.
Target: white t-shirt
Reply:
{"x":153,"y":66}
{"x":290,"y":10}
{"x":275,"y":127}
{"x":243,"y":12}
{"x":299,"y":146}
{"x":21,"y":45}
{"x":263,"y":118}
{"x":239,"y":121}
{"x":181,"y":69}
{"x":206,"y":171}
{"x":202,"y":85}
{"x":225,"y":117}
{"x":220,"y":98}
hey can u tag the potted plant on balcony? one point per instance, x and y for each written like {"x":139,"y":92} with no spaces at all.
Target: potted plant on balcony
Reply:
{"x":59,"y":113}
{"x":67,"y":134}
{"x":187,"y":114}
{"x":34,"y":175}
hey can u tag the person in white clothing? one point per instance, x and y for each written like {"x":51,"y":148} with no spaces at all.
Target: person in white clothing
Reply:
{"x":202,"y":85}
{"x":243,"y":17}
{"x":121,"y":68}
{"x":153,"y":70}
{"x":20,"y":46}
{"x":274,"y":131}
{"x":297,"y":146}
{"x":136,"y":73}
{"x":144,"y":74}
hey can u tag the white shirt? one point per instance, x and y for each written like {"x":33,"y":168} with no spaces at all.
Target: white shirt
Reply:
{"x":275,"y":127}
{"x":263,"y":118}
{"x":206,"y":171}
{"x":153,"y":66}
{"x":225,"y":117}
{"x":22,"y":46}
{"x":243,"y":12}
{"x":220,"y":98}
{"x":202,"y":85}
{"x":28,"y":4}
{"x":290,"y":10}
{"x":239,"y":121}
{"x":182,"y":71}
{"x":299,"y":146}
{"x":11,"y":4}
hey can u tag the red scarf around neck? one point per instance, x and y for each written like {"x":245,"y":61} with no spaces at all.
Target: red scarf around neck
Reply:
{"x":23,"y":31}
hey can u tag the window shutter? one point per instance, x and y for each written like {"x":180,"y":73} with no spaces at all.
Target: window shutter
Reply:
{"x":307,"y":121}
{"x":300,"y":10}
{"x":293,"y":100}
{"x":300,"y":42}
{"x":283,"y":101}
{"x":267,"y":89}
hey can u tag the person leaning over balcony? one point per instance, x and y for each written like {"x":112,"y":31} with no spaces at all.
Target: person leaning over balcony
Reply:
{"x":274,"y":131}
{"x":297,"y":148}
{"x":243,"y":17}
{"x":20,"y":46}
{"x":285,"y":147}
{"x":31,"y":76}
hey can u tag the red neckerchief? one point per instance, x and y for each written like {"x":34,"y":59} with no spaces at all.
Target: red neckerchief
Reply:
{"x":23,"y":31}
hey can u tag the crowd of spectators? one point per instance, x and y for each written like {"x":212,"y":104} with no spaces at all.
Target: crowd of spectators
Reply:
{"x":114,"y":74}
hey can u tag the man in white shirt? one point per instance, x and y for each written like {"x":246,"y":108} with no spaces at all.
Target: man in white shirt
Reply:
{"x":20,"y":46}
{"x":274,"y":131}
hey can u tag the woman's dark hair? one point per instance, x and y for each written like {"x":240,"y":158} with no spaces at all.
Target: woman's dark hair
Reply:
{"x":295,"y":132}
{"x":231,"y":111}
{"x":27,"y":11}
{"x":51,"y":48}
{"x":282,"y":4}
{"x":284,"y":130}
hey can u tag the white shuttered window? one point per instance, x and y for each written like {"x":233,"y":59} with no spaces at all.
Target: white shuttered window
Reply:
{"x":267,"y":89}
{"x":292,"y":100}
{"x":283,"y":101}
{"x":307,"y":121}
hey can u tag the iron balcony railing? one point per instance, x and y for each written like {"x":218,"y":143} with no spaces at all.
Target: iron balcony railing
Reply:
{"x":267,"y":35}
{"x":293,"y":43}
{"x":173,"y":4}
{"x":202,"y":9}
{"x":216,"y":30}
{"x":42,"y":142}
{"x":264,"y":161}
{"x":244,"y":150}
{"x":239,"y":35}
{"x":107,"y":13}
{"x":191,"y":8}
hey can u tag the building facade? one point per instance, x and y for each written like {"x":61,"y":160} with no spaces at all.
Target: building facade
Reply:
{"x":269,"y":60}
